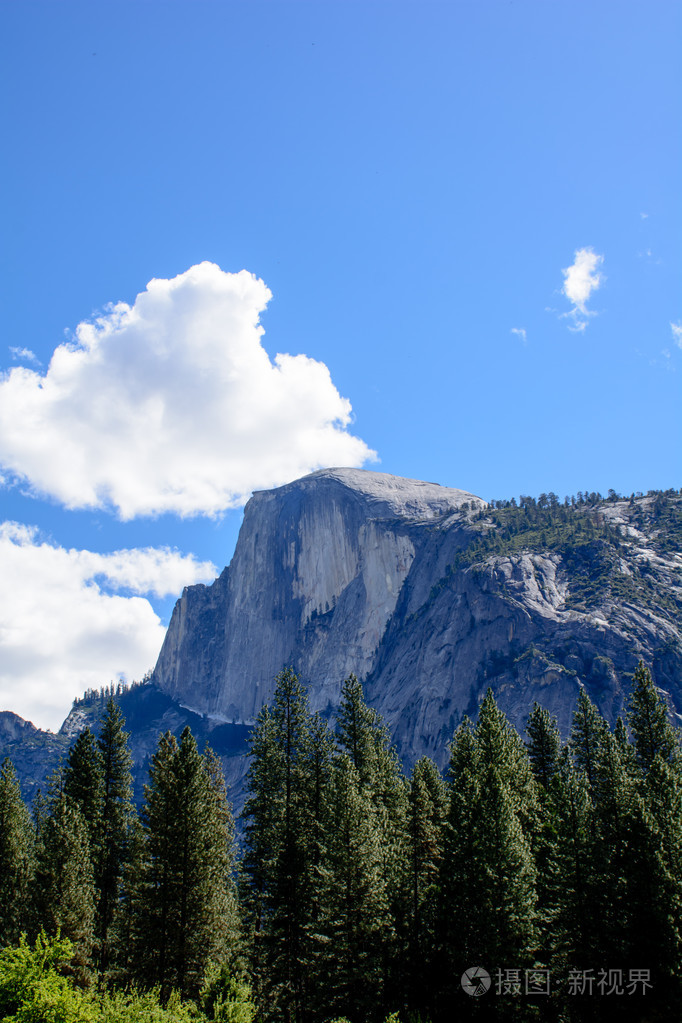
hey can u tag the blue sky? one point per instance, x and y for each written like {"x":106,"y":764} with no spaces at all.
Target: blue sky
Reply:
{"x":468,"y":218}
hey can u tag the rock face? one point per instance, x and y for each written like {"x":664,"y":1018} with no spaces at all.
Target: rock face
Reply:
{"x":316,"y":574}
{"x":429,"y":600}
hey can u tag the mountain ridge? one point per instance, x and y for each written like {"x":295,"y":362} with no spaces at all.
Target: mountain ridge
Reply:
{"x":429,"y":595}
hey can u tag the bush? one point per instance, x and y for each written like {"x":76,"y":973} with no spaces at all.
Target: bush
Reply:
{"x":33,"y":991}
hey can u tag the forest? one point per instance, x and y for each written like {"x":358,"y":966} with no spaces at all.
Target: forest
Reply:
{"x":538,"y":879}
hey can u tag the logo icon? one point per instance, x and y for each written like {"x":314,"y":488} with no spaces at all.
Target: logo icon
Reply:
{"x":476,"y":981}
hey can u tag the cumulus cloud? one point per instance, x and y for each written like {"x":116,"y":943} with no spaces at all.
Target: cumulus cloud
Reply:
{"x":520,"y":332}
{"x":580,"y":280}
{"x":676,"y":329}
{"x":173,"y":405}
{"x":68,"y":621}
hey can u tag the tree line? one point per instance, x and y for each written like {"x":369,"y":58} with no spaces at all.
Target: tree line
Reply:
{"x":357,"y":892}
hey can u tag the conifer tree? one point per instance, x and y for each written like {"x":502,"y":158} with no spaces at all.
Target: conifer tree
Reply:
{"x":183,"y":900}
{"x":588,"y":728}
{"x":489,"y":874}
{"x":456,"y":923}
{"x":544,"y":744}
{"x":637,"y":898}
{"x":64,"y":884}
{"x":115,"y":818}
{"x":652,"y":732}
{"x":17,"y":841}
{"x":360,"y":732}
{"x":261,"y":817}
{"x":355,"y":911}
{"x":571,"y":880}
{"x":364,"y":737}
{"x":84,"y":785}
{"x":291,"y":752}
{"x":289,"y":889}
{"x":425,"y":841}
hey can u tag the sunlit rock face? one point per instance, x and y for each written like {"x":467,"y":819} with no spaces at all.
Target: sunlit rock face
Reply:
{"x":352,"y":571}
{"x":316,"y":574}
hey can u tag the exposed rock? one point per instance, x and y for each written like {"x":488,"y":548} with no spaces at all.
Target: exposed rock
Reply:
{"x":316,"y":574}
{"x":350,"y":571}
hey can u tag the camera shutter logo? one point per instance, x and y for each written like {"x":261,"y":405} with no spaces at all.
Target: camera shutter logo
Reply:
{"x":476,"y":981}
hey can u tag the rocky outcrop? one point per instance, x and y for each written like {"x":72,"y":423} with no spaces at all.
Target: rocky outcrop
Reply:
{"x":429,"y":599}
{"x":317,"y":571}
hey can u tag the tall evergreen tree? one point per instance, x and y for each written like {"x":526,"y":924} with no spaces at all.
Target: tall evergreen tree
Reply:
{"x":364,"y":737}
{"x":183,"y":899}
{"x":289,"y":887}
{"x":571,"y":881}
{"x":261,"y":817}
{"x":114,"y":821}
{"x":637,"y":898}
{"x":489,"y":875}
{"x":64,"y":885}
{"x":586,"y":733}
{"x":83,"y":780}
{"x":544,"y":744}
{"x":17,"y":842}
{"x":355,"y":911}
{"x":652,"y":732}
{"x":425,"y":846}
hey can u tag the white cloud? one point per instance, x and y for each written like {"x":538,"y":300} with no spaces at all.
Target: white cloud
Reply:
{"x":520,"y":332}
{"x":172,"y":404}
{"x":24,"y":353}
{"x":62,"y":632}
{"x":677,"y":333}
{"x":580,"y":280}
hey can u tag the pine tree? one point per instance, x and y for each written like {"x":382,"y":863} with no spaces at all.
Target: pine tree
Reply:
{"x":84,"y":785}
{"x":261,"y":817}
{"x":638,"y":899}
{"x":456,"y":923}
{"x":489,"y":875}
{"x":363,"y":735}
{"x":289,"y":894}
{"x":117,"y":813}
{"x":425,"y":846}
{"x":183,"y":904}
{"x":544,"y":744}
{"x":588,"y":728}
{"x":17,"y":840}
{"x":64,"y":885}
{"x":360,"y":732}
{"x":570,"y":881}
{"x":652,"y":732}
{"x":291,"y":752}
{"x":355,"y":911}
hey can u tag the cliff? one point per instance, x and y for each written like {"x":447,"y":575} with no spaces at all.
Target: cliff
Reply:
{"x":429,"y":597}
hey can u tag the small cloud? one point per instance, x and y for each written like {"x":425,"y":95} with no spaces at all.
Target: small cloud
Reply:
{"x":644,"y":216}
{"x":677,"y":333}
{"x":521,"y":333}
{"x":26,"y":354}
{"x":580,"y":280}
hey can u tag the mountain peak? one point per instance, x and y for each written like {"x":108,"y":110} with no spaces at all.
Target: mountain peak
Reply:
{"x":391,"y":496}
